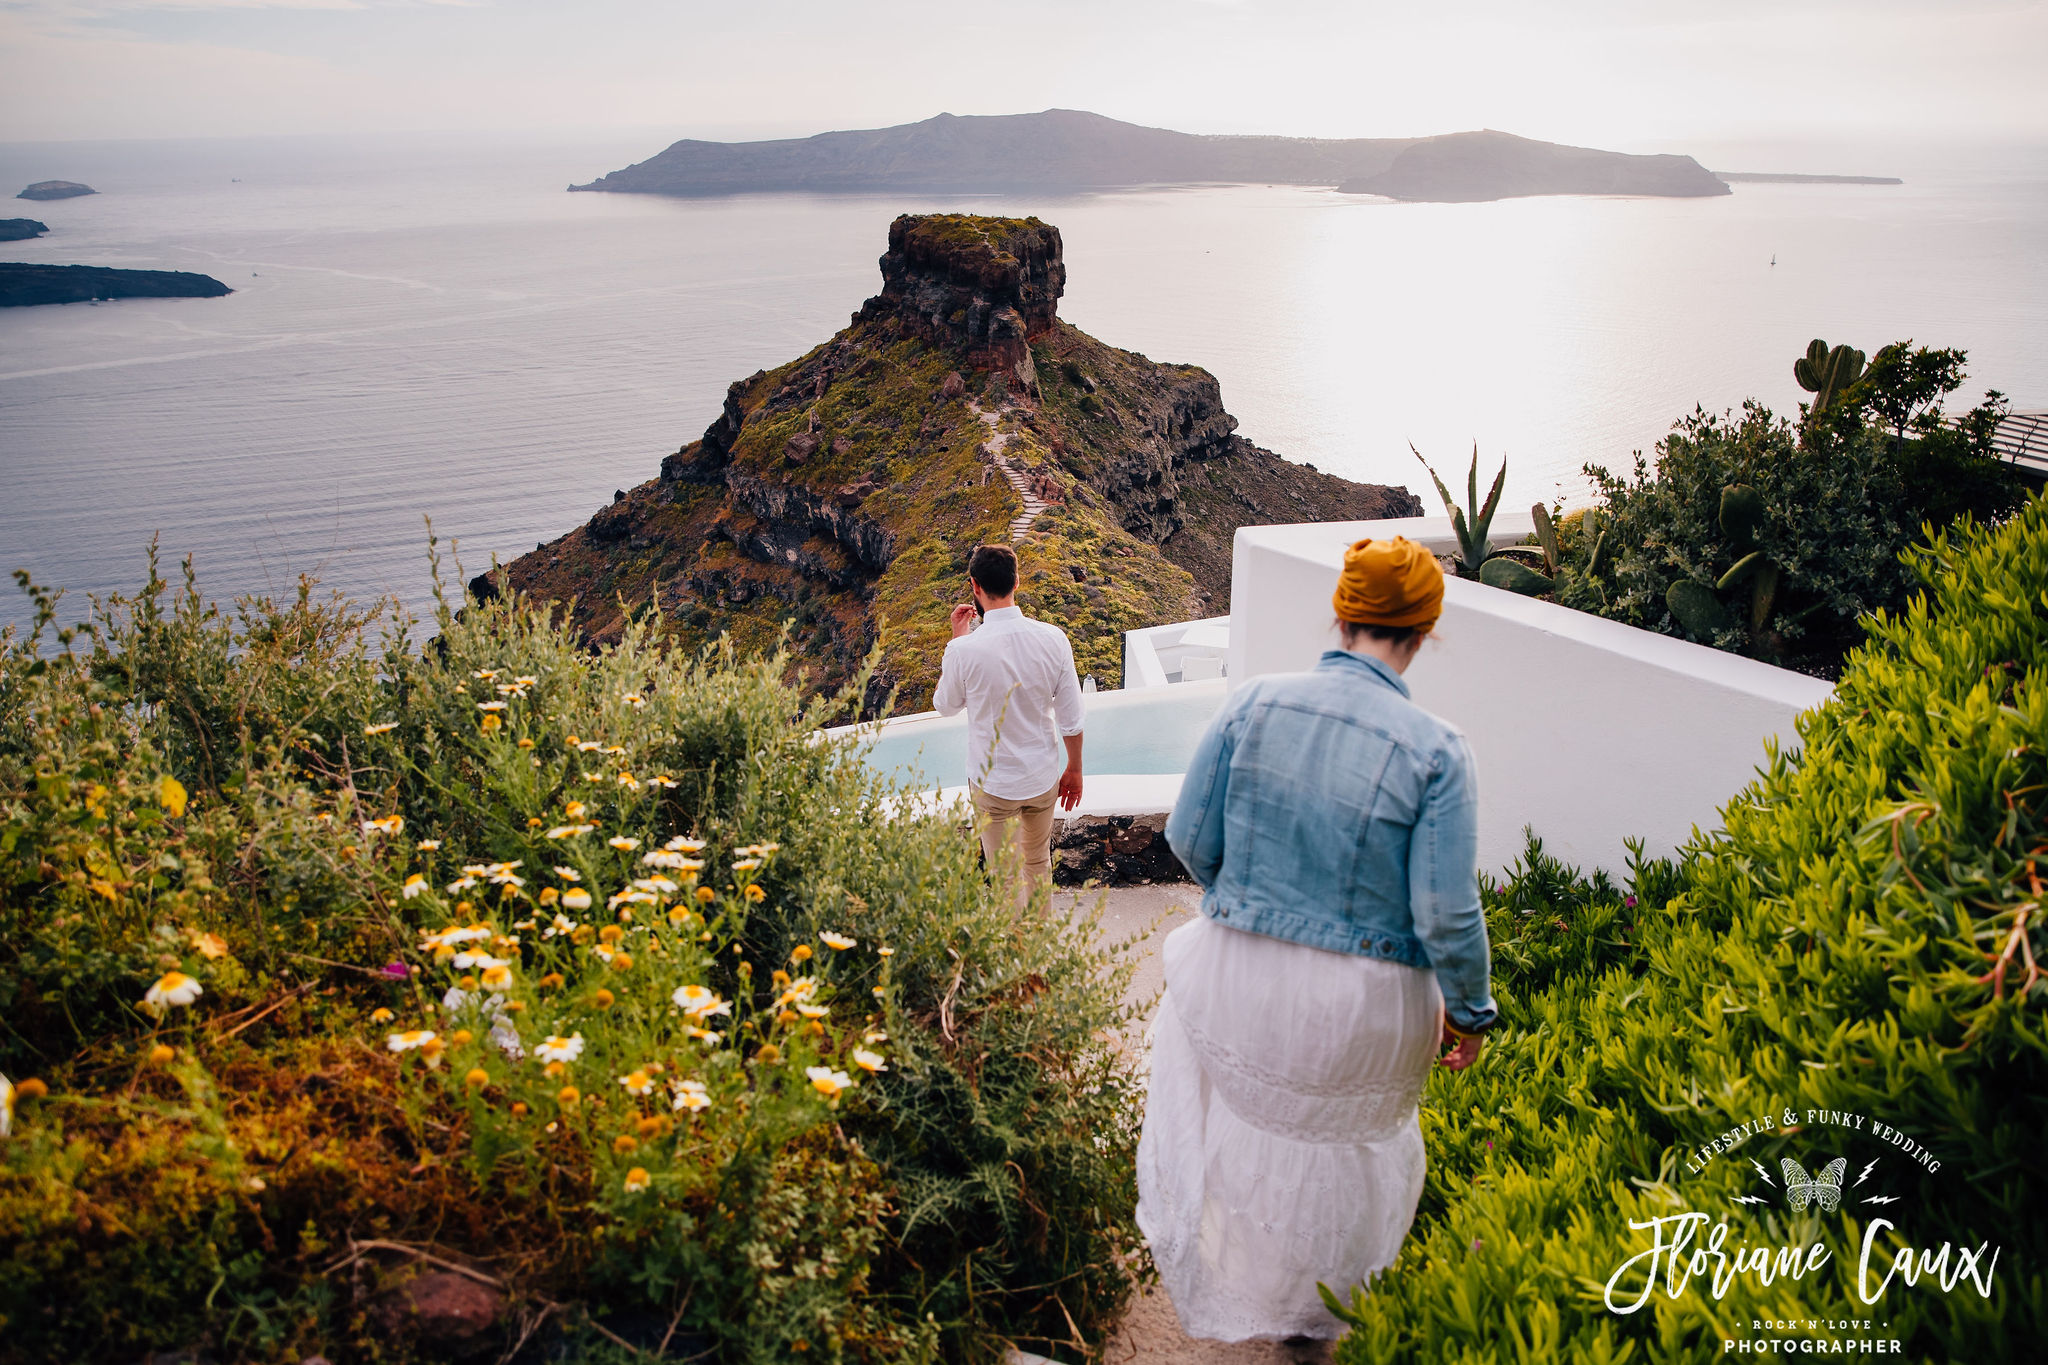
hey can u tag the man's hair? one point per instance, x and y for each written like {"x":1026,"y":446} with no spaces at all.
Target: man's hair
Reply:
{"x":994,"y":568}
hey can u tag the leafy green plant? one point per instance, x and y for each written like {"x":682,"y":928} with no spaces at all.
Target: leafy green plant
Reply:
{"x":1861,"y":937}
{"x":606,"y":971}
{"x":1751,"y":536}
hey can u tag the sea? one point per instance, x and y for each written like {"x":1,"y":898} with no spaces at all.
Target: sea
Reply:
{"x":430,"y":329}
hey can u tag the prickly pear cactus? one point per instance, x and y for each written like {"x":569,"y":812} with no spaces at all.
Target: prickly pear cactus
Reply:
{"x":1698,"y":612}
{"x":1742,"y":516}
{"x":1502,"y":572}
{"x":1826,"y":372}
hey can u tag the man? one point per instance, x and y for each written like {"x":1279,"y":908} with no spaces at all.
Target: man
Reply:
{"x":1015,"y":679}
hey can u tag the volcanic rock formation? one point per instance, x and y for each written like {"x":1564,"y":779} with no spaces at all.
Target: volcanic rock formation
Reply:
{"x":837,"y":497}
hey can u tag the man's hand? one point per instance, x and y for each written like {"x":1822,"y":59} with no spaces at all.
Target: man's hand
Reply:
{"x":1070,"y":788}
{"x":1462,"y":1051}
{"x":963,"y":619}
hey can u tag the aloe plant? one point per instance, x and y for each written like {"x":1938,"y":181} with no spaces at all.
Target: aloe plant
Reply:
{"x":1470,"y":524}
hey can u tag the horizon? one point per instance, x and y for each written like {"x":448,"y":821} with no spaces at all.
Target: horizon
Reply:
{"x":1580,"y":72}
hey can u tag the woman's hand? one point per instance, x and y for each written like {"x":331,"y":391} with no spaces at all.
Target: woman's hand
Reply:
{"x":1463,"y":1049}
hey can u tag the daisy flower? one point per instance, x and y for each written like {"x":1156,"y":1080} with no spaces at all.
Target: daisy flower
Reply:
{"x":623,"y":842}
{"x":555,"y":1048}
{"x":576,"y":898}
{"x":699,"y":1003}
{"x":692,"y":1095}
{"x":171,"y":989}
{"x":679,"y":844}
{"x":414,"y":884}
{"x":381,"y":1015}
{"x":869,"y":1061}
{"x":637,"y":1082}
{"x":637,"y":1180}
{"x":569,"y":831}
{"x":381,"y":728}
{"x":568,"y":874}
{"x":490,"y":706}
{"x":828,"y":1082}
{"x":427,"y":845}
{"x":839,"y":941}
{"x":413,"y":1038}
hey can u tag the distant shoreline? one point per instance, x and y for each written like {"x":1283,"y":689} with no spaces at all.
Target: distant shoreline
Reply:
{"x":1782,"y":178}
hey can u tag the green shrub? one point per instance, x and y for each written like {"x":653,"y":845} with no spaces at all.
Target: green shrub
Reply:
{"x":904,"y":1133}
{"x":1836,"y":947}
{"x":1835,"y":503}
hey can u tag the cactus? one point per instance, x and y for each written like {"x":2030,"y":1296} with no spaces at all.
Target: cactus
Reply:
{"x":1742,"y":515}
{"x":1594,"y":530}
{"x":1546,"y":536}
{"x":1474,"y":549}
{"x":1827,"y":373}
{"x":1514,"y":576}
{"x":1696,"y":609}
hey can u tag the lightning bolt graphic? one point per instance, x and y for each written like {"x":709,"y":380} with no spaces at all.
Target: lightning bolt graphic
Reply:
{"x":1882,"y":1199}
{"x":1866,"y":1174}
{"x":1762,"y":1172}
{"x":1747,"y":1199}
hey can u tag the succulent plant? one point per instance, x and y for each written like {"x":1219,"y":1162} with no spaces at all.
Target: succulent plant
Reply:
{"x":1742,"y":516}
{"x":1513,"y":575}
{"x":1474,"y":549}
{"x":1694,"y":606}
{"x":1594,"y":530}
{"x":1546,"y":536}
{"x":1826,"y":372}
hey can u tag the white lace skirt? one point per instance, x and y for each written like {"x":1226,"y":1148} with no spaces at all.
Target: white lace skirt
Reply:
{"x":1281,"y":1145}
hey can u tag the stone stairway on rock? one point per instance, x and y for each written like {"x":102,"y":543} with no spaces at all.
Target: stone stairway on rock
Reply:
{"x":1012,"y":472}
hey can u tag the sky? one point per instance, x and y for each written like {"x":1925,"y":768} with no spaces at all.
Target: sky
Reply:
{"x":1633,"y":75}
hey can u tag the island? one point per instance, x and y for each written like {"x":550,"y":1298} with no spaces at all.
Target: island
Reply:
{"x":55,"y":189}
{"x":1782,"y":178}
{"x":1464,"y":168}
{"x":21,"y":229}
{"x":22,"y":285}
{"x":1069,"y":149}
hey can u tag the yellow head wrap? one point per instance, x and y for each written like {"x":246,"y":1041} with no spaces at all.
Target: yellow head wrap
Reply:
{"x":1389,"y":583}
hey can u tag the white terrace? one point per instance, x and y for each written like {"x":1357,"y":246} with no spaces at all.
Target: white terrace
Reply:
{"x":1586,"y":731}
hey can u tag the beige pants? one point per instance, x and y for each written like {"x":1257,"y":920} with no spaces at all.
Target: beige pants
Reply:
{"x":1026,"y":824}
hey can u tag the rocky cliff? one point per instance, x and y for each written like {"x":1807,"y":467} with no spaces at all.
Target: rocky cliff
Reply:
{"x":838,"y":496}
{"x":21,"y":229}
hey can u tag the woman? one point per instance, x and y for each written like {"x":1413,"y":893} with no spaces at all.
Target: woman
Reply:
{"x":1332,"y":825}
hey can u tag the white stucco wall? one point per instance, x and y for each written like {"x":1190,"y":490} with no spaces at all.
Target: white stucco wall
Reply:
{"x":1587,"y":730}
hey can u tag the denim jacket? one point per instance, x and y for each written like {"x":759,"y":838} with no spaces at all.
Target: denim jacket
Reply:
{"x":1327,"y":809}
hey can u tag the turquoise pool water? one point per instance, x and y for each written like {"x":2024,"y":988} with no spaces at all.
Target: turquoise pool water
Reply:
{"x":1151,"y":731}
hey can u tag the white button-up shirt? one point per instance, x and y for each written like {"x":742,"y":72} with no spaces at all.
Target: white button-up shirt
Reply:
{"x":1015,"y":679}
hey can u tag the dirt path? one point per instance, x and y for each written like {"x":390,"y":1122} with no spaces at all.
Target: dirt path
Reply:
{"x":1150,"y":1333}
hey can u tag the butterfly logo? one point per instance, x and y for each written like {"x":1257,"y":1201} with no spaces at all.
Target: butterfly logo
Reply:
{"x":1824,"y":1189}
